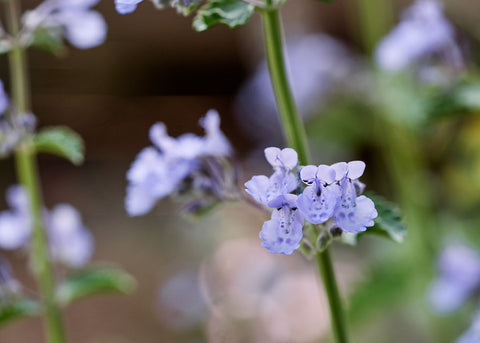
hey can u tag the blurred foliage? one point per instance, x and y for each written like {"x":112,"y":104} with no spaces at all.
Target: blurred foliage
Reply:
{"x":232,"y":13}
{"x":17,"y":309}
{"x":92,"y":281}
{"x":61,"y":141}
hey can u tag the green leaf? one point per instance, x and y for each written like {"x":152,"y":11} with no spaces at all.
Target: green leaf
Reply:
{"x":388,"y":224}
{"x":94,"y":280}
{"x":61,"y":141}
{"x":17,"y":309}
{"x":233,"y":13}
{"x":49,"y":40}
{"x":462,"y":99}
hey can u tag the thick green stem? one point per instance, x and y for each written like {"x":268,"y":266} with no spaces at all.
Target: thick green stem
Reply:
{"x":296,"y":138}
{"x":292,"y":123}
{"x":325,"y":268}
{"x":28,"y":176}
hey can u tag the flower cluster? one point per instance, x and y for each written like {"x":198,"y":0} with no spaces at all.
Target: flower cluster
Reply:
{"x":458,"y":279}
{"x":186,"y":165}
{"x":331,"y":192}
{"x":182,"y":6}
{"x":422,"y":33}
{"x":81,"y":26}
{"x":70,"y":241}
{"x":13,"y":126}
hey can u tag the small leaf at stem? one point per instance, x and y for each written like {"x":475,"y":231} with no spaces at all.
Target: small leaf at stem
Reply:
{"x":18,"y":309}
{"x":61,"y":141}
{"x":388,"y":224}
{"x":233,"y":13}
{"x":94,"y":280}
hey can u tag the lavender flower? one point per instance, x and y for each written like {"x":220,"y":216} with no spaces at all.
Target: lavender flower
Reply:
{"x":179,"y":164}
{"x":352,"y":214}
{"x":265,"y":189}
{"x":318,"y":200}
{"x":331,"y":192}
{"x":15,"y":225}
{"x":283,"y":233}
{"x":82,"y":27}
{"x":126,"y":6}
{"x":423,"y":32}
{"x":458,"y":279}
{"x":70,"y":241}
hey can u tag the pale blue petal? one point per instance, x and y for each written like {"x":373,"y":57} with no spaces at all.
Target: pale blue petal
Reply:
{"x":317,"y":203}
{"x":308,"y":174}
{"x":126,"y":6}
{"x":84,"y":29}
{"x":355,"y":169}
{"x":286,"y":159}
{"x":15,"y":229}
{"x":4,"y":101}
{"x":341,"y":169}
{"x":355,"y":218}
{"x":215,"y":142}
{"x":283,"y":233}
{"x":138,"y":201}
{"x":326,"y":174}
{"x":70,"y":241}
{"x":257,"y":187}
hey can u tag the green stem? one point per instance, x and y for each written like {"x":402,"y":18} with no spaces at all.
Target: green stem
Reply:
{"x":325,"y":268}
{"x":296,"y":138}
{"x":292,"y":124}
{"x":27,"y":172}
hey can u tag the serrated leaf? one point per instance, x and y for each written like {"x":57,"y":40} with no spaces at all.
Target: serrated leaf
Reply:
{"x":60,"y":141}
{"x":17,"y":309}
{"x":233,"y":13}
{"x":95,"y":280}
{"x":388,"y":224}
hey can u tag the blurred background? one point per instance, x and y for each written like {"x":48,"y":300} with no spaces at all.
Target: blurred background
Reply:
{"x":208,"y":279}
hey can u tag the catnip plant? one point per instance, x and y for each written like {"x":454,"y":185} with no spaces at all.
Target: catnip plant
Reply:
{"x":56,"y":239}
{"x":308,"y":204}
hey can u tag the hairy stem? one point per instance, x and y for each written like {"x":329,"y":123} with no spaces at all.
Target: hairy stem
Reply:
{"x":27,"y":173}
{"x":296,"y":138}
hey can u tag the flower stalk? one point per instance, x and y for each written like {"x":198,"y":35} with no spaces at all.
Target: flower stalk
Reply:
{"x":296,"y":138}
{"x":27,"y":173}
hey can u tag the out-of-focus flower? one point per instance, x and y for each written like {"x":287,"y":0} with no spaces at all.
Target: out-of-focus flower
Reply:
{"x":82,"y":27}
{"x":181,"y":303}
{"x":472,"y":335}
{"x":332,"y":191}
{"x":186,"y":164}
{"x":126,"y":6}
{"x":15,"y":224}
{"x":422,"y":33}
{"x":318,"y":66}
{"x":458,"y":279}
{"x":70,"y":241}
